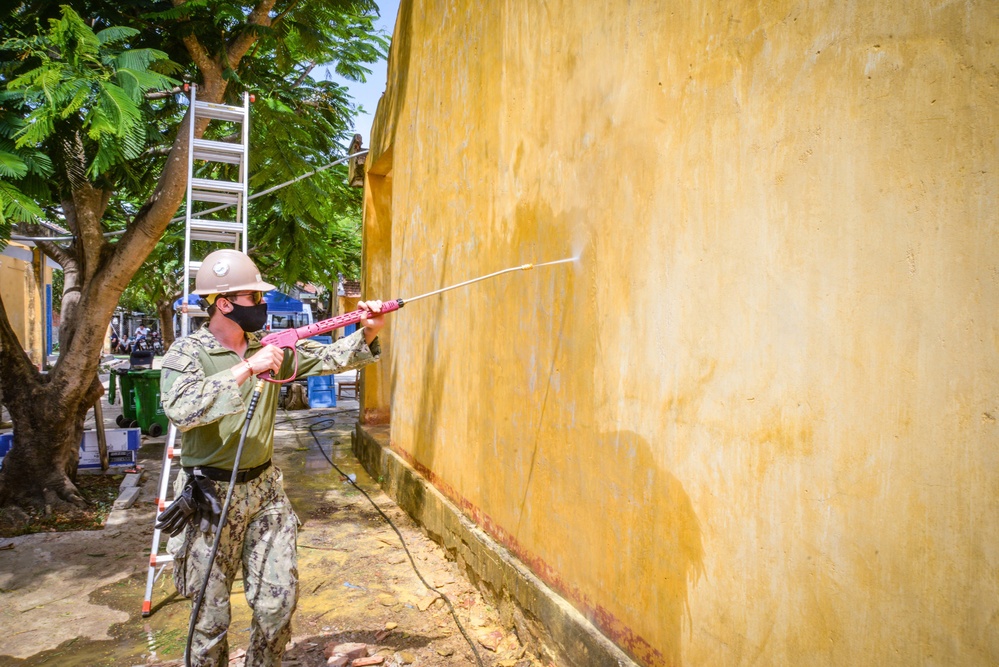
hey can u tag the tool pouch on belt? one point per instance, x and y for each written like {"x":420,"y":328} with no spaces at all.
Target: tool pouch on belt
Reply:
{"x":198,"y":503}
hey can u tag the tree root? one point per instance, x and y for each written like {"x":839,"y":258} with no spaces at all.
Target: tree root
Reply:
{"x":13,"y":519}
{"x":68,"y":492}
{"x":58,"y":495}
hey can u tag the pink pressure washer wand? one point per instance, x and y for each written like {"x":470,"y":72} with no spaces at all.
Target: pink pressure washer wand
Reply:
{"x":288,"y":338}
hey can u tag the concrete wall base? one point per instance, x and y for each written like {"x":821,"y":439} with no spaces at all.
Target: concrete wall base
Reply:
{"x":541,"y":618}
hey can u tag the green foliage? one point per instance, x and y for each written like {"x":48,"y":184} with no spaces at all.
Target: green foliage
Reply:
{"x":58,"y":281}
{"x":22,"y":175}
{"x":75,"y":85}
{"x":72,"y":110}
{"x":310,"y":230}
{"x":77,"y":74}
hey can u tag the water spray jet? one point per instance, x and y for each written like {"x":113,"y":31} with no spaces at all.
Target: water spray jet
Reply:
{"x":286,"y":339}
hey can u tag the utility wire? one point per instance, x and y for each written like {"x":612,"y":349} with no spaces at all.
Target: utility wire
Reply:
{"x":325,"y":423}
{"x":215,"y":209}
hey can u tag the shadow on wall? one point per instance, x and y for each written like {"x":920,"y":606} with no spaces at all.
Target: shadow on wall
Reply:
{"x":650,"y":524}
{"x":627,"y":549}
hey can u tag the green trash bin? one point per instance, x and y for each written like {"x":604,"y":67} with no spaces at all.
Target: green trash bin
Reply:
{"x":148,"y":408}
{"x":129,"y":417}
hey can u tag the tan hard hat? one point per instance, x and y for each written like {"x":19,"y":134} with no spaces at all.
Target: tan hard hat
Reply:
{"x":228,"y":271}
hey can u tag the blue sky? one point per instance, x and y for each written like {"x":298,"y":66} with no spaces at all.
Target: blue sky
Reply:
{"x":367,"y":94}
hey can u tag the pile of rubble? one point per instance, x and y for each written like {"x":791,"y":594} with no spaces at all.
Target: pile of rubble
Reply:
{"x":356,"y":655}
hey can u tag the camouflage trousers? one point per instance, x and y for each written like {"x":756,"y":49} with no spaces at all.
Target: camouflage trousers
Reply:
{"x":259,"y":535}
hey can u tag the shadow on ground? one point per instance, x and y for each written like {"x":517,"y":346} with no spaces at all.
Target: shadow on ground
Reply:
{"x":75,"y":599}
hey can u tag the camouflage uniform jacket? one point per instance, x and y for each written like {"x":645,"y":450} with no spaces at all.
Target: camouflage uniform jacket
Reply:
{"x":204,"y":402}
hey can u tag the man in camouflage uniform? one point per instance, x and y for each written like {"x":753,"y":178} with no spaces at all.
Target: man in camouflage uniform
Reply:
{"x":206,"y":384}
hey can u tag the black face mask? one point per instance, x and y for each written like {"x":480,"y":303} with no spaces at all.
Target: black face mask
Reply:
{"x":249,"y":318}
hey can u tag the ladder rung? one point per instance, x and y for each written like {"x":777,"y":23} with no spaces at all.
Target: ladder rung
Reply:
{"x":159,"y":559}
{"x":192,"y":268}
{"x":216,"y":237}
{"x":218,"y":151}
{"x":213,"y":185}
{"x":215,"y":197}
{"x":217,"y":226}
{"x":222,"y":192}
{"x":220,"y":231}
{"x":219,"y":111}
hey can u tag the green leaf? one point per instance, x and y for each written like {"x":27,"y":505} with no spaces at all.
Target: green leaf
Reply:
{"x":12,"y":166}
{"x":15,"y":206}
{"x":115,"y":34}
{"x":137,"y":59}
{"x":119,"y":107}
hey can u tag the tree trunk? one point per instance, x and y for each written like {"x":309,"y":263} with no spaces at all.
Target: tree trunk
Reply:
{"x":40,"y":468}
{"x":164,"y":309}
{"x":48,"y":414}
{"x":48,"y":411}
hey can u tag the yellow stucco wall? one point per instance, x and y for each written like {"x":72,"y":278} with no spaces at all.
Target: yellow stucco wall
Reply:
{"x":758,"y":424}
{"x":22,"y":294}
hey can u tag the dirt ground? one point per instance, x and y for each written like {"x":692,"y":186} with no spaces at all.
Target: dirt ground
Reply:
{"x":74,"y":599}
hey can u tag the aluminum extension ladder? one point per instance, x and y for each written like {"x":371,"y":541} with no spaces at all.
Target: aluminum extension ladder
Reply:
{"x":226,"y":195}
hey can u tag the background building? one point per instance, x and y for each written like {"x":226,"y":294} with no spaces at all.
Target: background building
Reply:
{"x":26,"y":286}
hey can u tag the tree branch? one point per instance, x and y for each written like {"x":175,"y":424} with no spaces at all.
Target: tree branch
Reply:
{"x":199,"y":54}
{"x":305,"y":74}
{"x":163,"y":94}
{"x":239,"y":46}
{"x":88,"y":205}
{"x":156,"y":151}
{"x":55,"y":252}
{"x":280,"y":16}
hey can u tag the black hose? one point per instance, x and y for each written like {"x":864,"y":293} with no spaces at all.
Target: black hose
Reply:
{"x":196,"y":610}
{"x":447,"y":601}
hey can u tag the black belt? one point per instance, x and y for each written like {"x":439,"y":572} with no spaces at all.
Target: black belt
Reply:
{"x":222,"y":475}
